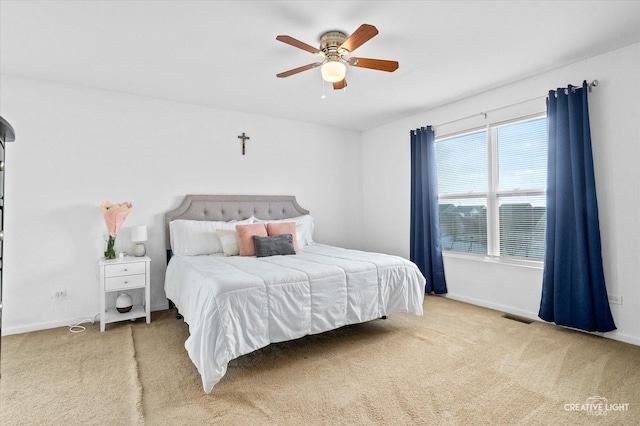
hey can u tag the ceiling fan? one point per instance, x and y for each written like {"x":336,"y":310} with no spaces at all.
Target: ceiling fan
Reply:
{"x":334,"y":46}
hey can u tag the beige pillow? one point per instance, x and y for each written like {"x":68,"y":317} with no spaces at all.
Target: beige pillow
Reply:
{"x":229,"y":240}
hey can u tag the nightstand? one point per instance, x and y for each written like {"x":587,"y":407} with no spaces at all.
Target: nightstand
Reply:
{"x":124,"y":274}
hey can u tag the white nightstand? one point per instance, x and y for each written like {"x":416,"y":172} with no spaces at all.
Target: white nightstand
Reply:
{"x":125,"y":274}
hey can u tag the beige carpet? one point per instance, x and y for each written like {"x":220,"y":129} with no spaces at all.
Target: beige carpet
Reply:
{"x":458,"y":365}
{"x":55,"y":377}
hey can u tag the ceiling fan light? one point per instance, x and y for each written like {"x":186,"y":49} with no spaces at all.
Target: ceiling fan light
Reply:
{"x":333,"y":71}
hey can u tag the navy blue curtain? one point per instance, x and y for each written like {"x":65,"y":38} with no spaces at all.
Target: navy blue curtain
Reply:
{"x":426,"y":251}
{"x":573,"y":287}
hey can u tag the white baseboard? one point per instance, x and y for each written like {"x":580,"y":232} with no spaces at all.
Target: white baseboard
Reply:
{"x":495,"y":306}
{"x":7,"y":331}
{"x":613,"y":335}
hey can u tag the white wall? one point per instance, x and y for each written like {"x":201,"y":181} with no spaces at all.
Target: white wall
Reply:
{"x":77,"y":147}
{"x":615,"y":117}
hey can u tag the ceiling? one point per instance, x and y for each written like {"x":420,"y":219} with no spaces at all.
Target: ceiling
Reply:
{"x":224,"y":54}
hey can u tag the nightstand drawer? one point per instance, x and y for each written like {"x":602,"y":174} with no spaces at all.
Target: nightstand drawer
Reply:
{"x":127,"y":281}
{"x":124,"y":269}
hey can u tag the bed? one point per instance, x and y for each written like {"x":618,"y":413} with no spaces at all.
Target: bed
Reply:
{"x":235,"y":304}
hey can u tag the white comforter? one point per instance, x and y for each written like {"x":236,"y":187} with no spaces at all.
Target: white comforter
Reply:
{"x":235,"y":305}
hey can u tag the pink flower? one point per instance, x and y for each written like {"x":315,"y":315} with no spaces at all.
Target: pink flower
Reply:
{"x":114,"y":216}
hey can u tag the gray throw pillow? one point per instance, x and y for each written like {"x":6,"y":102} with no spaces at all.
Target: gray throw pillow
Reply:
{"x":274,"y":246}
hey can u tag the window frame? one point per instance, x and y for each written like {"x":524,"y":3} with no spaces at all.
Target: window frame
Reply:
{"x":493,"y":194}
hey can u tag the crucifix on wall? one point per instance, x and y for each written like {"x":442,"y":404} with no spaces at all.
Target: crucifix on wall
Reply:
{"x":244,"y":138}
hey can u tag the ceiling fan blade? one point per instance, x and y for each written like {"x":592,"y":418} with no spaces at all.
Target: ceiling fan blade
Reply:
{"x":375,"y":64}
{"x":340,"y":84}
{"x":297,"y":43}
{"x":299,"y":69}
{"x":363,"y":34}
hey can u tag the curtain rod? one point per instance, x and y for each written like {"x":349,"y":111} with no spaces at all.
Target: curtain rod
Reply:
{"x":593,"y":84}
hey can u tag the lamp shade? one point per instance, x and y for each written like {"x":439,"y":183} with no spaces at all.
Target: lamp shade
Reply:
{"x":333,"y":71}
{"x":139,"y":233}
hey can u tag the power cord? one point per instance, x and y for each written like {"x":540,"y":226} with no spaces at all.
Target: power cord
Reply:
{"x":77,"y":327}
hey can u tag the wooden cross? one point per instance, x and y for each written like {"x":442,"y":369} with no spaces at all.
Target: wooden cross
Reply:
{"x":244,"y":138}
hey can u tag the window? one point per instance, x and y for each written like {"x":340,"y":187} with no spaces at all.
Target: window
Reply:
{"x":492,"y":189}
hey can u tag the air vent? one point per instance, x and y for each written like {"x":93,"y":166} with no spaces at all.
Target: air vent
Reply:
{"x":517,"y":318}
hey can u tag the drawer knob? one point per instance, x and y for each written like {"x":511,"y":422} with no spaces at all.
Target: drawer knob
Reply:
{"x":125,"y":269}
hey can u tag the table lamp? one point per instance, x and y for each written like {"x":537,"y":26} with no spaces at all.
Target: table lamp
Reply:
{"x":139,"y":236}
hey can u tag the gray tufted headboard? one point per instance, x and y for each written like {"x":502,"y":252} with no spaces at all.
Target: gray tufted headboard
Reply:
{"x":233,"y":207}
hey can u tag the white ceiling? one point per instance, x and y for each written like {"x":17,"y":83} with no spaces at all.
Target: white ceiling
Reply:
{"x":224,"y":53}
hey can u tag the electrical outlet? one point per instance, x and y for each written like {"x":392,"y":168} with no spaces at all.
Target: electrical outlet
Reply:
{"x":61,"y":292}
{"x":615,"y":299}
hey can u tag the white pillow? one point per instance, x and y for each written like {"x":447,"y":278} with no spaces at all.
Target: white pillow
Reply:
{"x":304,"y":227}
{"x":198,"y":237}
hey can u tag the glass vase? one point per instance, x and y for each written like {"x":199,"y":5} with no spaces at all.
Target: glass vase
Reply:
{"x":110,"y":252}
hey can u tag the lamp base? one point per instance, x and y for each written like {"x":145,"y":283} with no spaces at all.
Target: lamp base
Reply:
{"x":139,"y":250}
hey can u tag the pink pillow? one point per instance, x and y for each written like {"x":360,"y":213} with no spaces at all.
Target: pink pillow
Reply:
{"x":245,"y":237}
{"x":279,"y":228}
